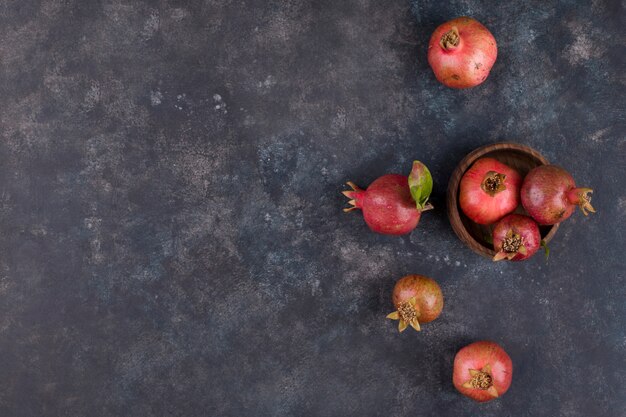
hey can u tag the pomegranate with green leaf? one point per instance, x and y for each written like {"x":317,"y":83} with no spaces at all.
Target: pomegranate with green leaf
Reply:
{"x":393,"y":204}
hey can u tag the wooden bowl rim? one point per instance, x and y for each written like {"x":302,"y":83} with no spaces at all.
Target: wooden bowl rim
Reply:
{"x":453,"y":185}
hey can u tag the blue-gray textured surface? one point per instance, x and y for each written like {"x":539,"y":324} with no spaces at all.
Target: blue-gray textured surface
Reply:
{"x":172,"y":241}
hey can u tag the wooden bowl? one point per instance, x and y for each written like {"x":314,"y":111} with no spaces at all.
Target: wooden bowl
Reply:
{"x":476,"y":236}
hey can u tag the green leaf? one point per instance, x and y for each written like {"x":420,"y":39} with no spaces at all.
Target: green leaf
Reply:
{"x":420,"y":184}
{"x":416,"y":193}
{"x":546,"y":249}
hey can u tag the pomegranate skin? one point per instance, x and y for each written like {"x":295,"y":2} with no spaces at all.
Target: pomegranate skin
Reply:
{"x":478,"y":356}
{"x":481,"y":206}
{"x":549,"y":195}
{"x":427,"y":293}
{"x":461,"y":53}
{"x":387,"y":205}
{"x":522,"y":226}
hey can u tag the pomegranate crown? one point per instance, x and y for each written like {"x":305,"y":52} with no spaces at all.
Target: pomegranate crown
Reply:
{"x":584,"y":200}
{"x":483,"y":380}
{"x":512,"y":244}
{"x":407,"y":314}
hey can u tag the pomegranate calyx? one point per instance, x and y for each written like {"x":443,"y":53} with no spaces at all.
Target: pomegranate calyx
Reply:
{"x":407,"y":315}
{"x":504,"y":255}
{"x":450,"y":39}
{"x":500,"y":256}
{"x":421,"y":185}
{"x":493,"y":391}
{"x":493,"y":183}
{"x":353,"y":196}
{"x":482,"y":380}
{"x":582,"y":197}
{"x":513,"y":243}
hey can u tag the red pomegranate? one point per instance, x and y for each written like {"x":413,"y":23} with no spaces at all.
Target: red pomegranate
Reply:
{"x":549,"y":194}
{"x":489,"y":190}
{"x":516,"y":237}
{"x":482,"y":371}
{"x":393,"y":204}
{"x":461,"y":53}
{"x":417,"y":299}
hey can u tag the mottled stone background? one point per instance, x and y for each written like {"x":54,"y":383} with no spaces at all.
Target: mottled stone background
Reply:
{"x":172,"y":241}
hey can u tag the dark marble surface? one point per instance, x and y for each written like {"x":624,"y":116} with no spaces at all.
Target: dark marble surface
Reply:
{"x":172,"y":241}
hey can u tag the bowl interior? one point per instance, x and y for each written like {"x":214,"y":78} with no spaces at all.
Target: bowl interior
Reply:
{"x":516,"y":156}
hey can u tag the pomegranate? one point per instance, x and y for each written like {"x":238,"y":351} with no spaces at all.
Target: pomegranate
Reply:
{"x":393,"y":204}
{"x":549,"y":195}
{"x":482,"y":371}
{"x":418,"y":299}
{"x":516,"y":238}
{"x":461,"y":53}
{"x":489,"y":190}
